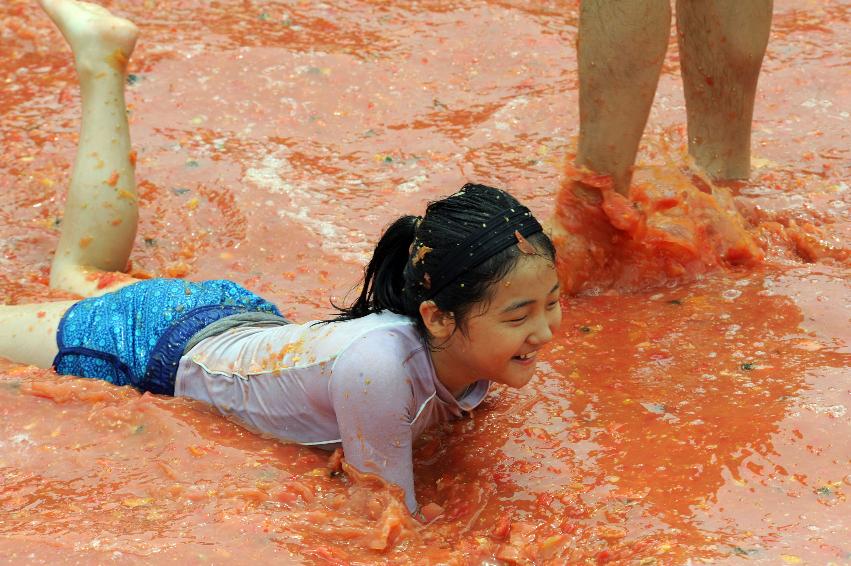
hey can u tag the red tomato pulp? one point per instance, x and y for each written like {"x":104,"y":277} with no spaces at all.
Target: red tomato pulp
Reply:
{"x":672,"y":421}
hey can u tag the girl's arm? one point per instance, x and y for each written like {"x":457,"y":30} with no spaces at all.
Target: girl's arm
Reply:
{"x":374,"y":404}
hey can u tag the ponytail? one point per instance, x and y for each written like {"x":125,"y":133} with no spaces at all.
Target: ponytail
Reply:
{"x":384,"y":281}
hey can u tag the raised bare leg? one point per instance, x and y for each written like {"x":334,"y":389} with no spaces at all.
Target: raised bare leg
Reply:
{"x":101,"y":213}
{"x":621,"y":48}
{"x":722,"y":44}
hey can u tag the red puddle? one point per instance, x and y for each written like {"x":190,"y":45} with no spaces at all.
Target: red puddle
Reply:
{"x":704,"y":420}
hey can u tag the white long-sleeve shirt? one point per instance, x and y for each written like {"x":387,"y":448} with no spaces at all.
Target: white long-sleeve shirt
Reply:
{"x":367,"y":384}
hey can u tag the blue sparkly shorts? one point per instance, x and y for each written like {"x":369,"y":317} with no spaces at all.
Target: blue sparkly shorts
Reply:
{"x":135,"y":335}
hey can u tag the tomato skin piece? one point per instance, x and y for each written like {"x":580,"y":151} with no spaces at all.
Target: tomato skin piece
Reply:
{"x":431,"y":511}
{"x":568,"y":528}
{"x":329,"y":556}
{"x":502,"y":529}
{"x":544,"y":499}
{"x":66,"y":96}
{"x":285,"y":496}
{"x":335,"y":462}
{"x":501,"y":477}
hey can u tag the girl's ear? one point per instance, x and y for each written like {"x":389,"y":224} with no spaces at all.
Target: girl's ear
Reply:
{"x":440,"y":324}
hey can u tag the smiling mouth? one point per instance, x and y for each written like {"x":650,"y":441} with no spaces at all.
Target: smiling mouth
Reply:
{"x":525,"y":357}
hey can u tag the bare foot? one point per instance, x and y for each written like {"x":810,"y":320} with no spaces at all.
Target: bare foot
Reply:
{"x":96,"y":37}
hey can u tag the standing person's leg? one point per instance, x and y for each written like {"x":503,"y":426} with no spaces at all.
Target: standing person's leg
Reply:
{"x":722,"y":43}
{"x":621,"y":48}
{"x":101,"y":212}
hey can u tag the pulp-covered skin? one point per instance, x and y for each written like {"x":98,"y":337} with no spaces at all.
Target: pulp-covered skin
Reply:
{"x":704,"y":420}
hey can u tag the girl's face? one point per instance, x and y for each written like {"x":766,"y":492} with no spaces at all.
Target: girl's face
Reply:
{"x":503,"y":339}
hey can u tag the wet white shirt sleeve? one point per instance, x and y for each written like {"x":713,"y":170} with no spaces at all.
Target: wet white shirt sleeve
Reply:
{"x":374,"y":402}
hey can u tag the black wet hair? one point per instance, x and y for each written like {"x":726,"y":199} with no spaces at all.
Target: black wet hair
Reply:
{"x":412,"y":251}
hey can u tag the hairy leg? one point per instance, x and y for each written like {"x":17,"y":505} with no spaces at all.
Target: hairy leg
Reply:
{"x":99,"y":224}
{"x":621,"y":48}
{"x":28,"y":332}
{"x":722,"y":44}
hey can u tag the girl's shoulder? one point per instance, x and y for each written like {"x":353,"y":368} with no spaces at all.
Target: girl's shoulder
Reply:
{"x":383,"y":341}
{"x":366,"y":327}
{"x":379,"y":333}
{"x":382,"y":333}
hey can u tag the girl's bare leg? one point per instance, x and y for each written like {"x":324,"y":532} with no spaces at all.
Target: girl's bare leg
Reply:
{"x":722,"y":43}
{"x":101,"y":213}
{"x":28,"y":332}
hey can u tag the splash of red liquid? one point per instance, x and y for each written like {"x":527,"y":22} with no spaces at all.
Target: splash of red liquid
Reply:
{"x":667,"y":228}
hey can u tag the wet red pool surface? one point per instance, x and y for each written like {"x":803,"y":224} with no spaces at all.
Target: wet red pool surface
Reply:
{"x":705,"y":421}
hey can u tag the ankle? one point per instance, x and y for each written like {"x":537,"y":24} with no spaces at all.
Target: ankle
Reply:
{"x":721,"y":162}
{"x":98,"y":64}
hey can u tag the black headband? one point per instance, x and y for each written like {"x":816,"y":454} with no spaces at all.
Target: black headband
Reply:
{"x":496,"y":234}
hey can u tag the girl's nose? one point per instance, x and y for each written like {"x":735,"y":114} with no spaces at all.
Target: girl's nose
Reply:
{"x":542,"y":333}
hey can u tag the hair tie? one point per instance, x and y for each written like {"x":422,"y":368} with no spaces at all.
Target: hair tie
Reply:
{"x":501,"y":231}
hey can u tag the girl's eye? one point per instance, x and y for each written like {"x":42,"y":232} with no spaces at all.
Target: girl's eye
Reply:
{"x":516,"y":320}
{"x":552,"y":305}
